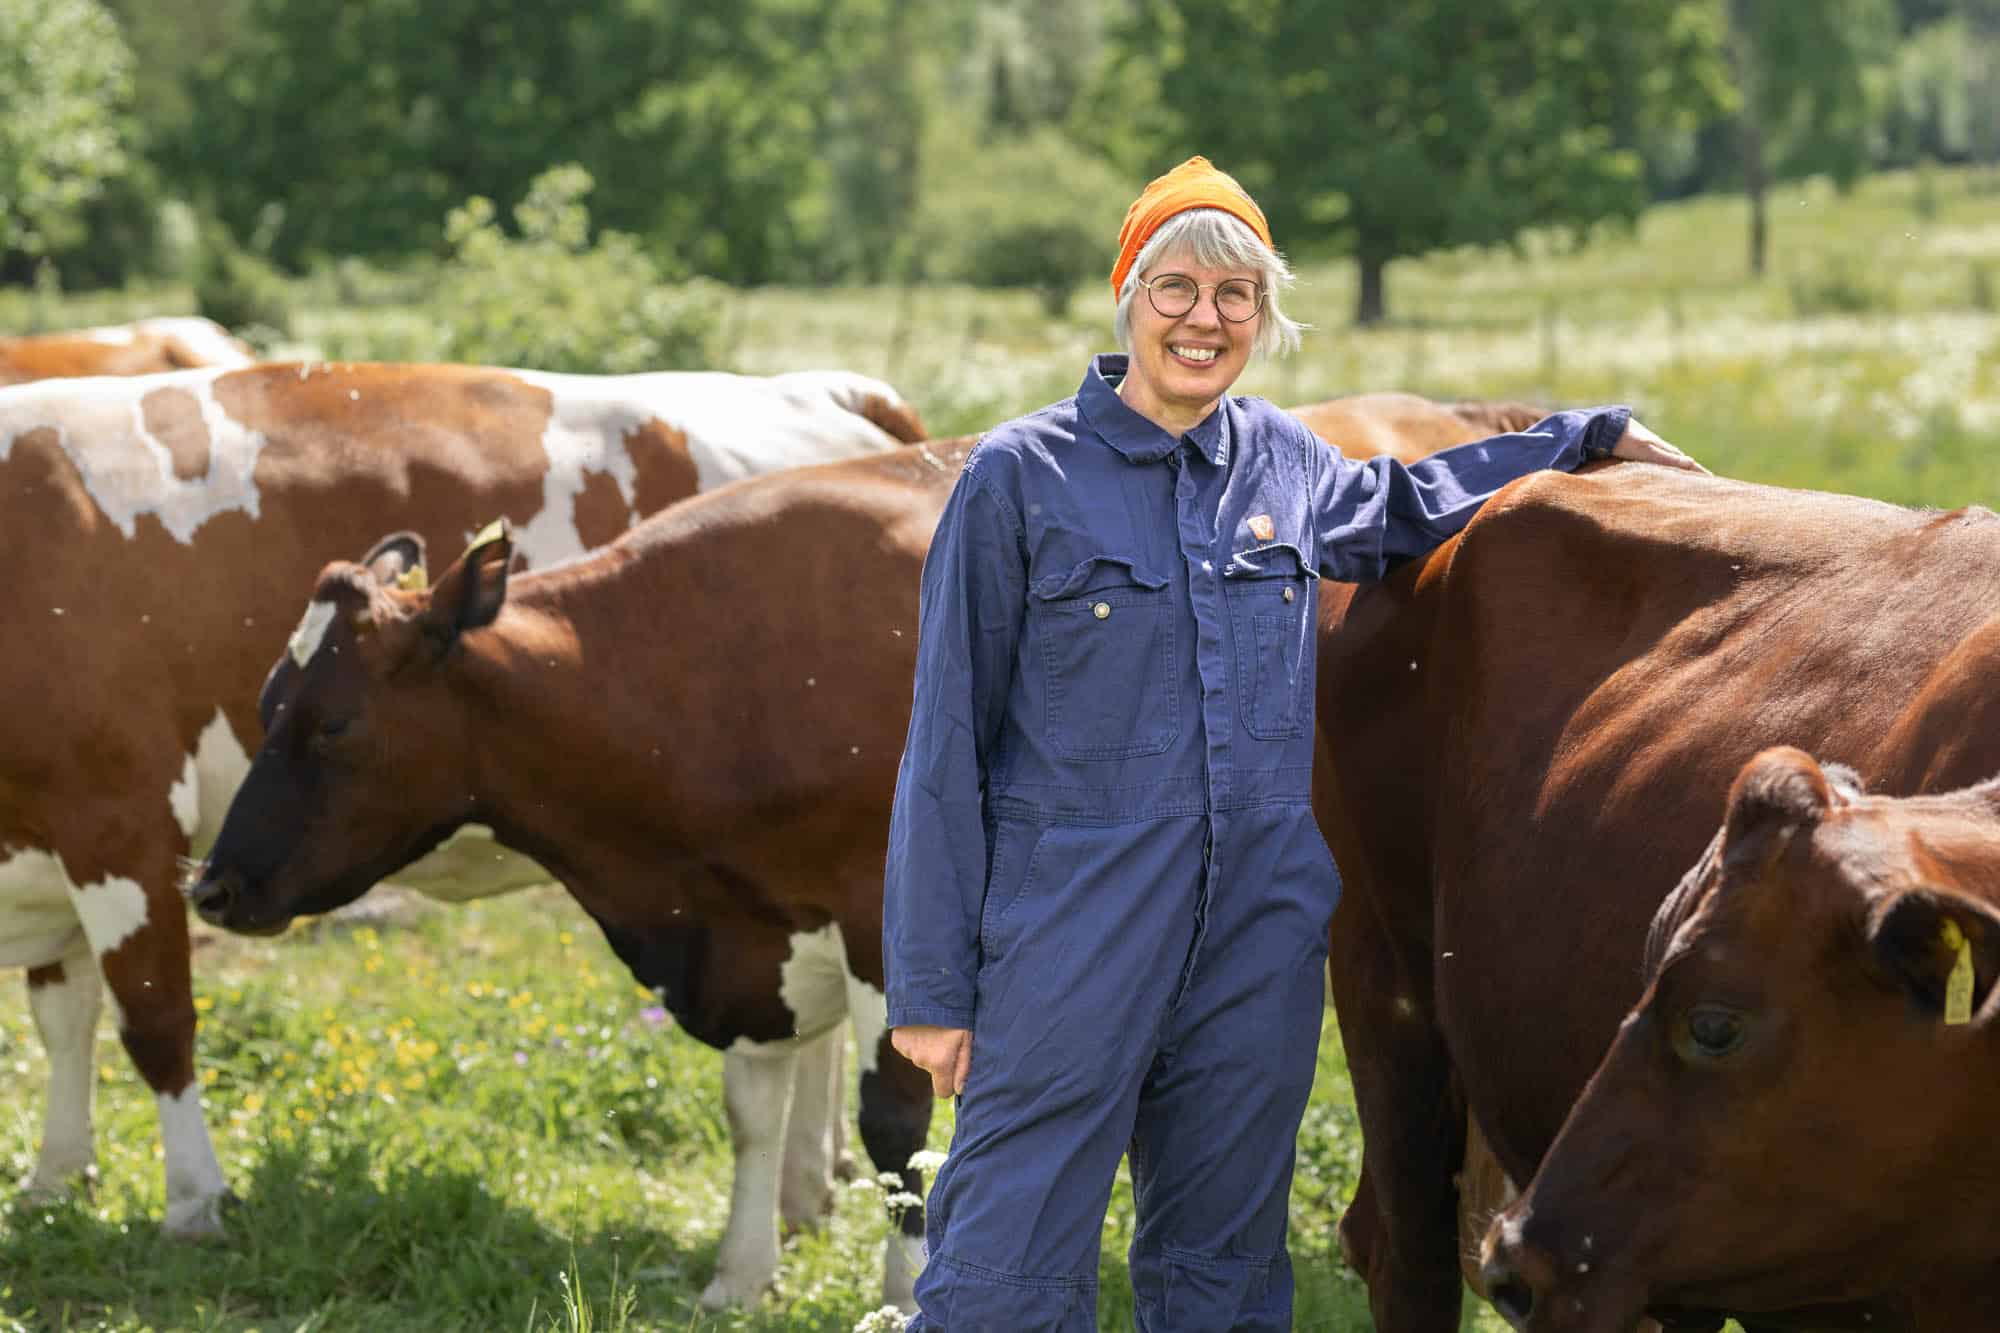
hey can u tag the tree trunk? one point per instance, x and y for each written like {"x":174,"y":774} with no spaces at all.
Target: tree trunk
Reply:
{"x":1750,"y":124}
{"x":1372,"y":305}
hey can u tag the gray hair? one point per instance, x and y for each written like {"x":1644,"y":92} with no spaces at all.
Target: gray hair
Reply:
{"x":1215,"y":239}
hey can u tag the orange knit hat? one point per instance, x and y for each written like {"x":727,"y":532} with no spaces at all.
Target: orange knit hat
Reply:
{"x":1195,"y":183}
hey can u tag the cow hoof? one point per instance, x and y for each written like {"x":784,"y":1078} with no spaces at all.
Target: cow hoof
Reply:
{"x":48,"y":1188}
{"x":728,"y":1293}
{"x":197,"y":1219}
{"x":901,"y":1263}
{"x":844,"y":1167}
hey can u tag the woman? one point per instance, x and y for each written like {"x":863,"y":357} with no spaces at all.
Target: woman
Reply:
{"x":1106,"y":910}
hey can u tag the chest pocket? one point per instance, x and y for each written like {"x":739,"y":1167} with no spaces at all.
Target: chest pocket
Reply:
{"x":1107,"y":638}
{"x":1270,"y":615}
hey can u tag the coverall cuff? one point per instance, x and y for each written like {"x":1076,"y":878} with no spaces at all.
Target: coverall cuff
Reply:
{"x":935,"y":1015}
{"x":1601,"y":436}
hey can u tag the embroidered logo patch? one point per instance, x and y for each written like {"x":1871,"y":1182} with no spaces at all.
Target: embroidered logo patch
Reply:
{"x":1262,"y":528}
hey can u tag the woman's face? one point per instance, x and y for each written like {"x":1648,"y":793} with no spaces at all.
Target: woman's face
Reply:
{"x":1186,"y":363}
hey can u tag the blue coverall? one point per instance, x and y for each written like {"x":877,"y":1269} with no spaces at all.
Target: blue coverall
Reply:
{"x":1103,"y":859}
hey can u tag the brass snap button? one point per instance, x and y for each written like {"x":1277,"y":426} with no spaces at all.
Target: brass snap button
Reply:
{"x":1102,"y":610}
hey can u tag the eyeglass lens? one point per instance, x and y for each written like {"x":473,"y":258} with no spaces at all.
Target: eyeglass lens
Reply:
{"x":1174,"y":294}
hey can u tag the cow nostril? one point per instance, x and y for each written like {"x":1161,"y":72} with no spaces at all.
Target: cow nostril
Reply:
{"x":1511,"y":1297}
{"x":212,"y":897}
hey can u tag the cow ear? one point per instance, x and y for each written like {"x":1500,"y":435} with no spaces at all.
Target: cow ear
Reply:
{"x":469,"y":595}
{"x":1942,"y":949}
{"x":1674,"y":911}
{"x":397,"y":559}
{"x":1777,"y":793}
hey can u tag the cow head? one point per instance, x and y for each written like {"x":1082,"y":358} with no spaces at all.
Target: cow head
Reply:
{"x":366,"y":759}
{"x":1797,"y":1111}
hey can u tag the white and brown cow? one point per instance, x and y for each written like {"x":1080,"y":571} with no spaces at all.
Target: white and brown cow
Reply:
{"x":143,"y":347}
{"x":155,"y":532}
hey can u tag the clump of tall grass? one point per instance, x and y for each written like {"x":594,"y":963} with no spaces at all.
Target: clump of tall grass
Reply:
{"x":1838,"y":286}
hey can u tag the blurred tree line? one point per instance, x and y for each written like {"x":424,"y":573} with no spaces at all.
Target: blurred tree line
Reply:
{"x":992,"y":141}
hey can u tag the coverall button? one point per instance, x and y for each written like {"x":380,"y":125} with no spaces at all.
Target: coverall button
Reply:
{"x":1102,"y":610}
{"x":1289,"y":594}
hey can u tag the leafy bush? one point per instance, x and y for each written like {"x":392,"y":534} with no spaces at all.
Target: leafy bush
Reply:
{"x":551,"y":299}
{"x":1035,"y":212}
{"x":240,"y":290}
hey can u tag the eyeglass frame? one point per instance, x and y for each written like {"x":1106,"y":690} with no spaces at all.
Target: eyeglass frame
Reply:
{"x":1216,"y":287}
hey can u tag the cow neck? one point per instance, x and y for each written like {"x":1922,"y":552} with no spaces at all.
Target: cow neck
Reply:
{"x":573,"y":757}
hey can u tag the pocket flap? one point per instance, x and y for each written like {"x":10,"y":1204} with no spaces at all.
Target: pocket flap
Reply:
{"x":1097,"y":574}
{"x":1276,"y":560}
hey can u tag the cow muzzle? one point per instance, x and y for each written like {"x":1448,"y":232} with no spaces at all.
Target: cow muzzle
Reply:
{"x":1537,"y":1291}
{"x":217,"y":898}
{"x":1515,"y":1276}
{"x":213,"y":895}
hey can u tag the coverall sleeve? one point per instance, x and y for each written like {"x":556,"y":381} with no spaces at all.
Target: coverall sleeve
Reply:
{"x":970,"y":609}
{"x":1371,"y":513}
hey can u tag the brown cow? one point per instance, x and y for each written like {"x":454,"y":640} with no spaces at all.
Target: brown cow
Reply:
{"x":1801,"y":1105}
{"x":1407,"y":427}
{"x":1527,"y":736}
{"x":143,"y":347}
{"x":703,"y":723}
{"x":155,"y":531}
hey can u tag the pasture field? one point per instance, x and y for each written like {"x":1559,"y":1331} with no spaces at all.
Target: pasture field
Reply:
{"x":473,"y":1120}
{"x":464,"y":1119}
{"x":1867,"y":359}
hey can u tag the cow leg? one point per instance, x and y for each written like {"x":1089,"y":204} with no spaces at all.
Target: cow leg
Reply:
{"x":805,"y":1189}
{"x":1413,"y":1140}
{"x":66,"y":998}
{"x":140,"y":939}
{"x":895,"y":1117}
{"x":757,"y":1095}
{"x":843,"y":1151}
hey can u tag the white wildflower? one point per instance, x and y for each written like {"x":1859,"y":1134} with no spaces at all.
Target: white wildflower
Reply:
{"x":888,"y":1319}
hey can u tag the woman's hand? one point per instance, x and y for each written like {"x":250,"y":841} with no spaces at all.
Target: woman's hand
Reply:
{"x":943,"y":1053}
{"x":1641,"y":445}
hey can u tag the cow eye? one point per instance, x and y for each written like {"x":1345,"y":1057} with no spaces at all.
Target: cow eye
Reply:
{"x":334,"y":728}
{"x":1713,"y":1032}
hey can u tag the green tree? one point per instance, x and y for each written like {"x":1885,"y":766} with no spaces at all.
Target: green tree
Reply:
{"x":870,"y":126}
{"x":368,"y":120}
{"x":1802,"y":95}
{"x":65,"y":88}
{"x":1393,"y":127}
{"x":1029,"y":210}
{"x":170,"y":39}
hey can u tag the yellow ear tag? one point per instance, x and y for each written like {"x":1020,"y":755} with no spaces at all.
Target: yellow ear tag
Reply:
{"x":413,"y":580}
{"x":492,"y":532}
{"x":1958,"y":986}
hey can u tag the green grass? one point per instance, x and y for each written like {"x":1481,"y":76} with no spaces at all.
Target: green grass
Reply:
{"x":470,"y":1122}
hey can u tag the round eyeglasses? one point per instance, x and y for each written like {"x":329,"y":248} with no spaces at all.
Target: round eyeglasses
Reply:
{"x":1174,"y":294}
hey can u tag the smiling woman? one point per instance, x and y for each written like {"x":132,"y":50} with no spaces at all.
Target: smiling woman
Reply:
{"x":1105,"y":917}
{"x":1210,"y":299}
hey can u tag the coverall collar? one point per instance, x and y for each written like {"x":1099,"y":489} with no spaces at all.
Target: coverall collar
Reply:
{"x":1132,"y":434}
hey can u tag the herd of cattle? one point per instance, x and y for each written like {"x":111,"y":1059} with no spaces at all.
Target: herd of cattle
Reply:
{"x":1722,"y":1010}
